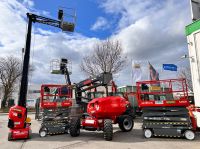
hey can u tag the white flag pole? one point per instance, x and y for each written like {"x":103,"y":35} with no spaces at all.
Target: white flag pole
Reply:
{"x":132,"y":71}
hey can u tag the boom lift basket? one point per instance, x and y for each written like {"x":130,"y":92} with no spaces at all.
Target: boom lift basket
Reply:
{"x":55,"y":66}
{"x":68,"y":19}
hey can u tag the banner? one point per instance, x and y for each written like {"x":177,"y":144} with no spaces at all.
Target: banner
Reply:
{"x":136,"y":72}
{"x":170,"y":67}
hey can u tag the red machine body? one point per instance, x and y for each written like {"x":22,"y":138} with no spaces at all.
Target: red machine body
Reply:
{"x":18,"y":115}
{"x":50,"y":99}
{"x":192,"y":109}
{"x":110,"y":107}
{"x":22,"y":133}
{"x":107,"y":107}
{"x":169,"y":93}
{"x":92,"y":122}
{"x":19,"y":128}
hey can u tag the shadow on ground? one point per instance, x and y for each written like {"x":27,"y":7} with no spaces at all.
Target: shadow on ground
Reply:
{"x":134,"y":136}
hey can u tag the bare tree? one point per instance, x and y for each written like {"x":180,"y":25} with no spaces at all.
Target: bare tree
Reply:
{"x":106,"y":57}
{"x":186,"y":73}
{"x":10,"y":71}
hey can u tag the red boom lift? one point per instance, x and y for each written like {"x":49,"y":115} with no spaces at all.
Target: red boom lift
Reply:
{"x":100,"y":113}
{"x":18,"y":123}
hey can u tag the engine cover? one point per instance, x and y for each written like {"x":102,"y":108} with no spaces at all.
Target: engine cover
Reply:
{"x":107,"y":107}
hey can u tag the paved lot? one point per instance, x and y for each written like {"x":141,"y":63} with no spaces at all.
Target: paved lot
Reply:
{"x":93,"y":140}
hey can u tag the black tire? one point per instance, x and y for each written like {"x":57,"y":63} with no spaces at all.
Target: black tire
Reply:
{"x":43,"y":132}
{"x":74,"y":128}
{"x":9,"y":136}
{"x":147,"y":133}
{"x":126,"y":123}
{"x":108,"y":130}
{"x":67,"y":129}
{"x":29,"y":134}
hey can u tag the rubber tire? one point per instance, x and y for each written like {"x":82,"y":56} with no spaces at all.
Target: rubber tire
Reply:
{"x":67,"y":129}
{"x":29,"y":134}
{"x":74,"y":128}
{"x":189,"y":131}
{"x":108,"y":130}
{"x":35,"y":117}
{"x":41,"y":130}
{"x":9,"y":136}
{"x":122,"y":125}
{"x":147,"y":130}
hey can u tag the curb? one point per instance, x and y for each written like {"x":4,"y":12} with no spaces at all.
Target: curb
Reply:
{"x":3,"y":113}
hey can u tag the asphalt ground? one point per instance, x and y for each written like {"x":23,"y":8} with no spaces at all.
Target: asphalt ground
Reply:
{"x":93,"y":140}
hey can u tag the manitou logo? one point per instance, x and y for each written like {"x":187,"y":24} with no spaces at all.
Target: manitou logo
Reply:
{"x":182,"y":101}
{"x":17,"y":123}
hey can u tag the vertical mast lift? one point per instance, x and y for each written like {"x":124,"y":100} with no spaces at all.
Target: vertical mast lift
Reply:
{"x":18,"y":122}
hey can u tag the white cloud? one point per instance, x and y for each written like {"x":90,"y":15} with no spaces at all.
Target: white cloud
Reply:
{"x":46,"y":45}
{"x":100,"y":24}
{"x":56,"y":46}
{"x":12,"y":27}
{"x":149,"y":30}
{"x":156,"y":33}
{"x":28,"y":3}
{"x":130,"y":10}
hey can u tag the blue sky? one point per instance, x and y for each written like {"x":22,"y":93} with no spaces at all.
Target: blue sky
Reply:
{"x":149,"y":30}
{"x":87,"y":12}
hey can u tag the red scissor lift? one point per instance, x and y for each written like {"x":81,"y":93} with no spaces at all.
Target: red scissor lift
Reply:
{"x":57,"y":96}
{"x":164,"y":105}
{"x":165,"y":93}
{"x":55,"y":103}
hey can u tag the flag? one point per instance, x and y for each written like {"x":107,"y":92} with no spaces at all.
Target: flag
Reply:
{"x":136,"y":65}
{"x":170,"y":67}
{"x":136,"y":72}
{"x":154,"y":75}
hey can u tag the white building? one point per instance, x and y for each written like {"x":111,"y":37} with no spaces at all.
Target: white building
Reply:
{"x":32,"y":95}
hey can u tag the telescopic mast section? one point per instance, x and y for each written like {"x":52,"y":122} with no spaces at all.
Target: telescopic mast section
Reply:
{"x":33,"y":18}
